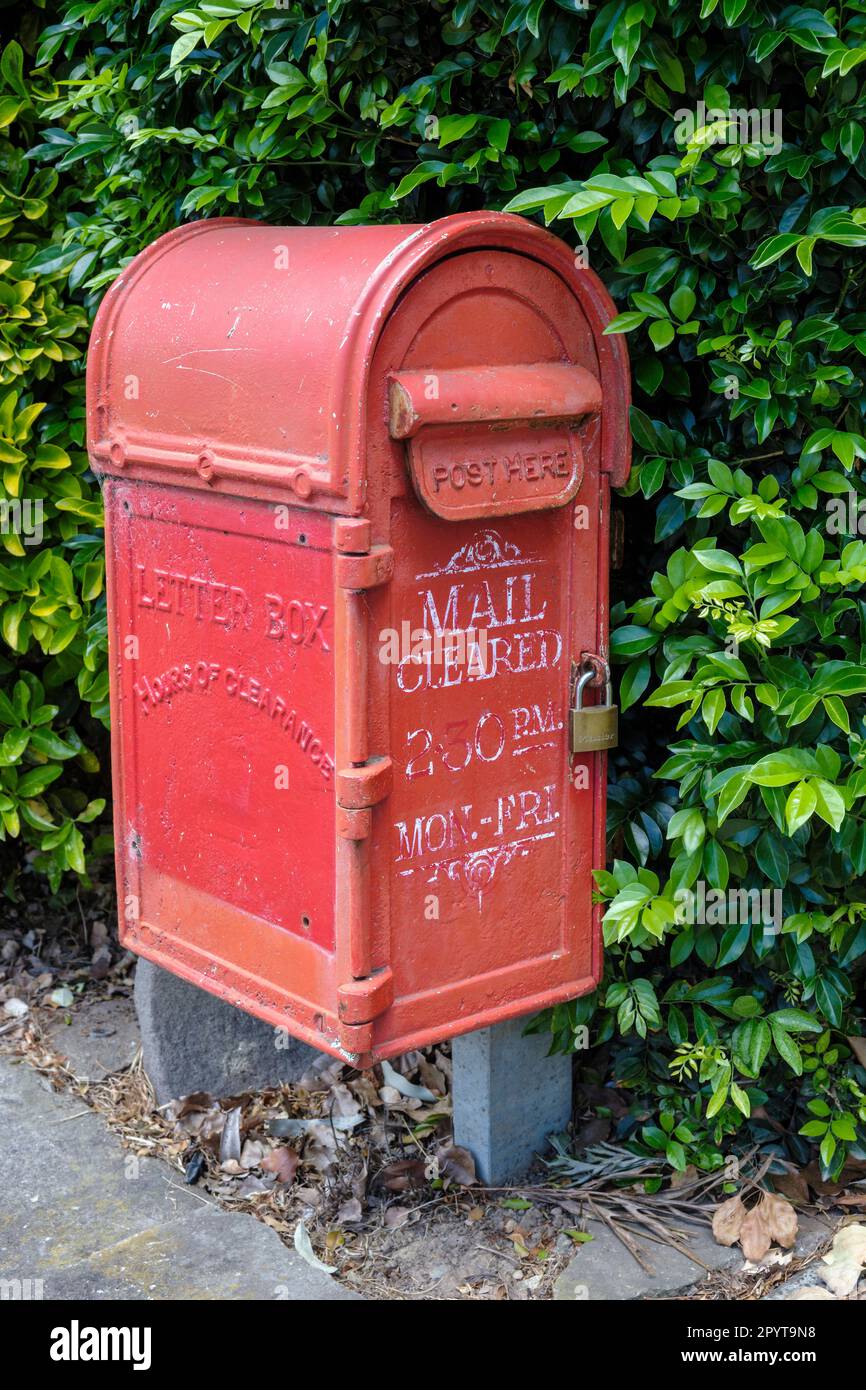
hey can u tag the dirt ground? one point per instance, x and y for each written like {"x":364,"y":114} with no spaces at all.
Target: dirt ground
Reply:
{"x":394,"y":1208}
{"x":357,"y":1171}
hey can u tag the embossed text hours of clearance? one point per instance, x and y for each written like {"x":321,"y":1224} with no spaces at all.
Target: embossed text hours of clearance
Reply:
{"x":228,"y":606}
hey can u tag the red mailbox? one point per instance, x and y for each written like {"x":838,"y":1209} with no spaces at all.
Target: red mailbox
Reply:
{"x":357,"y":505}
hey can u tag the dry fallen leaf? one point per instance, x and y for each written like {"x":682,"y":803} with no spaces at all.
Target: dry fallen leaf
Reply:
{"x":684,"y":1178}
{"x":845,"y":1260}
{"x":252,"y":1154}
{"x":304,"y":1247}
{"x":781,"y":1219}
{"x":342,"y":1102}
{"x":365,"y":1090}
{"x":755,"y":1234}
{"x":350,"y":1211}
{"x":457,"y":1164}
{"x":232,"y":1167}
{"x":394,"y":1079}
{"x":187,"y":1105}
{"x":728,"y":1220}
{"x":389,"y":1095}
{"x":283,"y":1163}
{"x":431,"y":1076}
{"x":230,"y":1142}
{"x":403,"y":1175}
{"x":100,"y":963}
{"x":812,"y":1174}
{"x":791,"y":1185}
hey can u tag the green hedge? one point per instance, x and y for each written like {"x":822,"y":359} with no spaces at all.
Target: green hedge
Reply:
{"x":711,"y":159}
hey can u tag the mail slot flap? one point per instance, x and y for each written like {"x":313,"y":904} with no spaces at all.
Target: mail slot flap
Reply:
{"x":478,"y":395}
{"x":493,"y":441}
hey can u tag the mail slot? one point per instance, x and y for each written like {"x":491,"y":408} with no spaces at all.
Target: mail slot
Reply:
{"x":357,"y":486}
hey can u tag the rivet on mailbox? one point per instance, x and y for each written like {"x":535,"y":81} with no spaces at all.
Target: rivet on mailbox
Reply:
{"x":357,"y":535}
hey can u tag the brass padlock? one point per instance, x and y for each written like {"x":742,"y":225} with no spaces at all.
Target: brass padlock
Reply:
{"x":595,"y":729}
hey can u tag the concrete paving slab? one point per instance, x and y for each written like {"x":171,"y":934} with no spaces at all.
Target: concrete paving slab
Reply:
{"x":604,"y":1270}
{"x":91,"y":1221}
{"x":96,"y":1036}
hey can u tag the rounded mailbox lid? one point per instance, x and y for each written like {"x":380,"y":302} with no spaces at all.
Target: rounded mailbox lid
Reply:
{"x":497,"y":382}
{"x":235,"y":356}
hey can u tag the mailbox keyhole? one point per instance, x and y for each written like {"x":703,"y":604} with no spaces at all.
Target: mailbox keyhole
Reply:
{"x":305,"y":922}
{"x":302,"y":540}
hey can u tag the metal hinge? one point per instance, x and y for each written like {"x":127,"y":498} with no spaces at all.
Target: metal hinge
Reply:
{"x":359,"y":572}
{"x":360,"y":1001}
{"x":366,"y":785}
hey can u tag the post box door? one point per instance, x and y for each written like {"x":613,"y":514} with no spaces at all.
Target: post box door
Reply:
{"x":496,"y":510}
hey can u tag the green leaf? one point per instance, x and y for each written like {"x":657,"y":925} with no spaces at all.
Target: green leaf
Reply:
{"x":843,"y":1127}
{"x":649,"y":304}
{"x":625,"y":323}
{"x":719,"y":561}
{"x":682,"y":302}
{"x":632,"y":641}
{"x":716,"y":1101}
{"x":827,"y":1149}
{"x":799,"y":807}
{"x":733,"y":794}
{"x":183,"y":46}
{"x":780,"y":769}
{"x":835,"y":709}
{"x":819,"y":1107}
{"x":751,"y":1042}
{"x":829,"y":804}
{"x":635,"y":680}
{"x":453,"y":128}
{"x":498,"y":133}
{"x":712,"y":709}
{"x":796,"y":1021}
{"x":773,"y":249}
{"x":772,"y":857}
{"x":661,"y":334}
{"x":814,"y":1129}
{"x":422,"y":173}
{"x":734,"y":941}
{"x":786,"y":1047}
{"x":286,"y":75}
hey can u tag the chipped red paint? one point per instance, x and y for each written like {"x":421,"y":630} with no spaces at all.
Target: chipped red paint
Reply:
{"x":357,"y":502}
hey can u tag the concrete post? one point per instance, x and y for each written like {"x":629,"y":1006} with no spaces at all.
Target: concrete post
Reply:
{"x":192,"y":1041}
{"x":508,"y":1097}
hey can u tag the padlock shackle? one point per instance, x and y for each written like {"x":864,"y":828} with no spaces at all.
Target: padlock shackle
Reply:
{"x":583,"y":680}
